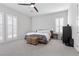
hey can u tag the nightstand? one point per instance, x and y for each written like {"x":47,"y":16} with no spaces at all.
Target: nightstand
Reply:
{"x":55,"y":36}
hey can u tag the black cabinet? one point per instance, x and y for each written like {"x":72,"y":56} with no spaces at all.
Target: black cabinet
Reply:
{"x":67,"y":35}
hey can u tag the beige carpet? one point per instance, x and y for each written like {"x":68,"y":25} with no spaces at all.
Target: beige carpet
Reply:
{"x":53,"y":48}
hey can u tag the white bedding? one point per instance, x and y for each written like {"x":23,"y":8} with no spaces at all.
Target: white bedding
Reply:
{"x":47,"y":34}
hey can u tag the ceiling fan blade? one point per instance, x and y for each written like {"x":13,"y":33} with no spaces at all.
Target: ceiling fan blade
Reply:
{"x":36,"y":9}
{"x":32,"y":3}
{"x":23,"y":4}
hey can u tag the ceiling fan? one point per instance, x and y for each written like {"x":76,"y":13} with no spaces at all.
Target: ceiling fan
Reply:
{"x":31,"y":5}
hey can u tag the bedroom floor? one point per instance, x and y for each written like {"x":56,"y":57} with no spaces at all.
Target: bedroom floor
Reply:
{"x":53,"y":48}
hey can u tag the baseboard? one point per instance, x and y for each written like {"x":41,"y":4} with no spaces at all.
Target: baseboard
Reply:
{"x":76,"y":47}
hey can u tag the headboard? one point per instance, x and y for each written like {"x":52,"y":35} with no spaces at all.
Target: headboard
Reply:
{"x":43,"y":30}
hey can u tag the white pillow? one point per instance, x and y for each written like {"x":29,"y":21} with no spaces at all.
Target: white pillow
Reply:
{"x":43,"y":31}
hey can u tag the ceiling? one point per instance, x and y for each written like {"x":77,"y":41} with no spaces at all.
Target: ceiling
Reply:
{"x":43,"y":8}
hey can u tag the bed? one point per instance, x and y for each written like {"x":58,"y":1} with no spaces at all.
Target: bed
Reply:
{"x":41,"y":36}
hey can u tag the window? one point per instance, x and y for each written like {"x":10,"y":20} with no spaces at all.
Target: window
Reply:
{"x":11,"y":27}
{"x":14,"y":27}
{"x":1,"y":26}
{"x":77,"y":18}
{"x":8,"y":27}
{"x":59,"y":24}
{"x":78,"y":24}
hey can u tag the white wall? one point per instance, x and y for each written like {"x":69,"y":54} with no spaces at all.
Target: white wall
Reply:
{"x":48,"y":21}
{"x":41,"y":22}
{"x":72,"y":17}
{"x":24,"y":25}
{"x":24,"y":22}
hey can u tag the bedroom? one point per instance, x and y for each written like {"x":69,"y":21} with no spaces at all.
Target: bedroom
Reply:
{"x":18,"y":20}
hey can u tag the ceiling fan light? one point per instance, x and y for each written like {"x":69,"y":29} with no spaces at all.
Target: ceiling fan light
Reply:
{"x":32,"y":5}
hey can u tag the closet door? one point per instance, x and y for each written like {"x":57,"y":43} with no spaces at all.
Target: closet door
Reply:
{"x":1,"y":27}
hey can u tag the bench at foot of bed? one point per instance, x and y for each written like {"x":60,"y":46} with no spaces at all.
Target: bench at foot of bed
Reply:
{"x":32,"y":40}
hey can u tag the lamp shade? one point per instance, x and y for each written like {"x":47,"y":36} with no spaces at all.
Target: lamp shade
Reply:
{"x":52,"y":29}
